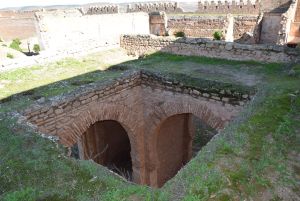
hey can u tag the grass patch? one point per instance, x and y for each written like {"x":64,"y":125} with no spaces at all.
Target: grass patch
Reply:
{"x":238,"y":164}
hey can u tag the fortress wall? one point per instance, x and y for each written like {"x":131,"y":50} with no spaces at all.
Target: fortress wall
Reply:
{"x":17,"y":25}
{"x":168,"y":7}
{"x":71,"y":29}
{"x":96,"y":10}
{"x":234,"y":7}
{"x":204,"y":47}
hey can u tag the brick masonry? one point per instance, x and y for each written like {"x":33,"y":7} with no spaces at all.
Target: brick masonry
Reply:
{"x":140,"y":102}
{"x":142,"y":44}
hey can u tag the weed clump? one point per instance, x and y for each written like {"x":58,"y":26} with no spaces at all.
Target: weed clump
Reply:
{"x":36,"y":48}
{"x":180,"y":34}
{"x":9,"y":55}
{"x":15,"y":44}
{"x":218,"y":35}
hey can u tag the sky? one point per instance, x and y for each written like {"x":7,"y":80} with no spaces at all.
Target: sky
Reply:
{"x":21,"y":3}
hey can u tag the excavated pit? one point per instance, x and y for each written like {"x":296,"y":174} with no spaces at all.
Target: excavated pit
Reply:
{"x":143,"y":126}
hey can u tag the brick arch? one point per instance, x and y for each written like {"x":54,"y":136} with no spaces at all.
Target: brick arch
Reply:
{"x":71,"y":131}
{"x":162,"y":113}
{"x":97,"y":112}
{"x":203,"y":111}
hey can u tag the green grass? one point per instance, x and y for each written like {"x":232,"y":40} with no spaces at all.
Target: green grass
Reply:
{"x":250,"y":156}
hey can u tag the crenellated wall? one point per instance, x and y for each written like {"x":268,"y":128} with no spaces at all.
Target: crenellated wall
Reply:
{"x":234,"y":7}
{"x":137,"y":44}
{"x":98,"y":10}
{"x":168,"y":7}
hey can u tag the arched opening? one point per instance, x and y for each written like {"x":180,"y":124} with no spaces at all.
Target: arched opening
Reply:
{"x":107,"y":143}
{"x":179,"y":138}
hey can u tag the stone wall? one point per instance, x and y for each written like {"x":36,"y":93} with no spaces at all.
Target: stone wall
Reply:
{"x":234,"y":7}
{"x":286,"y":22}
{"x":197,"y":26}
{"x":294,"y":33}
{"x":98,"y":10}
{"x":204,"y":47}
{"x":158,"y":23}
{"x":205,"y":26}
{"x":168,"y":7}
{"x":140,"y":102}
{"x":15,"y":24}
{"x":244,"y":24}
{"x":270,"y":28}
{"x":79,"y":30}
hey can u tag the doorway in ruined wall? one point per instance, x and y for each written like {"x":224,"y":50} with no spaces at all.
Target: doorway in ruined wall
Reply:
{"x":179,"y":138}
{"x":107,"y":143}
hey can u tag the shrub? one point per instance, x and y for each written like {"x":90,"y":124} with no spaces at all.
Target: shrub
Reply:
{"x":8,"y":55}
{"x":15,"y":44}
{"x":218,"y":35}
{"x":36,"y":48}
{"x":180,"y":34}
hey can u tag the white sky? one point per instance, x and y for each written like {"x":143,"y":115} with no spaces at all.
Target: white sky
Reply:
{"x":20,"y":3}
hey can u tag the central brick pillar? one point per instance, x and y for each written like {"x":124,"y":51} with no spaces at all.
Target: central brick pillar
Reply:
{"x":173,"y":147}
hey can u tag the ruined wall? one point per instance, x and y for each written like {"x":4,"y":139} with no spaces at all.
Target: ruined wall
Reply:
{"x":17,"y":25}
{"x":158,"y":23}
{"x":292,"y":25}
{"x":205,"y":26}
{"x":197,"y":26}
{"x":140,"y":102}
{"x":234,"y":7}
{"x":205,"y":47}
{"x":70,"y":29}
{"x":270,"y":28}
{"x":243,"y":24}
{"x":168,"y":7}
